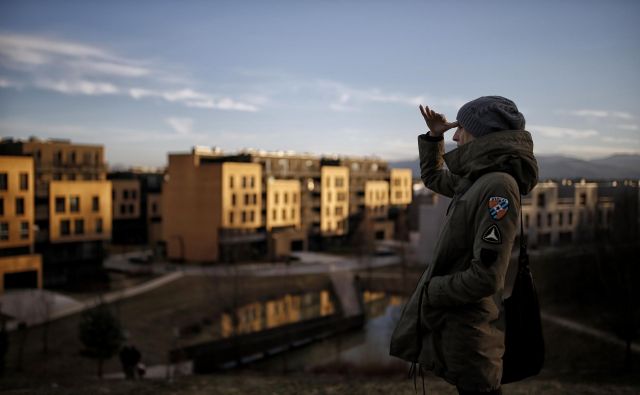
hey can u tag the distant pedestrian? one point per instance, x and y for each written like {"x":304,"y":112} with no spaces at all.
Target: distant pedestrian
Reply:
{"x":453,"y":323}
{"x":130,"y":358}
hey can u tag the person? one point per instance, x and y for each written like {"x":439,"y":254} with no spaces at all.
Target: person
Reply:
{"x":130,"y":358}
{"x":453,"y":323}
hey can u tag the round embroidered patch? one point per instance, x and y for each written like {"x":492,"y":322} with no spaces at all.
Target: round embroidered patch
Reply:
{"x":498,"y":207}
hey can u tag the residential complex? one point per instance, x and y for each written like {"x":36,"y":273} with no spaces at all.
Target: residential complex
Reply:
{"x":252,"y":204}
{"x":19,"y":266}
{"x":71,"y":204}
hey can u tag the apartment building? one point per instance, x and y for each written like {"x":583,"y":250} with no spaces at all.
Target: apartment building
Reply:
{"x":303,"y":201}
{"x":137,"y":199}
{"x":19,"y":266}
{"x":72,"y":203}
{"x":211,"y":209}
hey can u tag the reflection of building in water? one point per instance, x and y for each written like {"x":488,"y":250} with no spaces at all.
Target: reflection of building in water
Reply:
{"x":285,"y":310}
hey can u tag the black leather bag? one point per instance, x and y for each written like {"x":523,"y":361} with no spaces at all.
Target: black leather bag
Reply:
{"x":524,"y":341}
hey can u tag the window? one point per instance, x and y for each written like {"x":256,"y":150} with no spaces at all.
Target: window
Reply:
{"x":583,"y":199}
{"x":294,"y":197}
{"x":277,"y":197}
{"x":95,"y":204}
{"x":560,"y":218}
{"x":65,"y":227}
{"x":293,"y":213}
{"x":86,"y":158}
{"x":134,"y":194}
{"x":541,"y":200}
{"x":233,"y":199}
{"x":60,"y":204}
{"x":125,"y":194}
{"x":339,"y":211}
{"x":4,"y":231}
{"x":97,"y":158}
{"x":24,"y":230}
{"x":246,"y":199}
{"x":230,"y":181}
{"x":74,"y":204}
{"x":341,"y":197}
{"x":3,"y":182}
{"x":328,"y":196}
{"x":274,"y":214}
{"x":570,"y":217}
{"x":57,"y":158}
{"x":24,"y":181}
{"x":253,"y":181}
{"x":78,"y":226}
{"x":72,"y":157}
{"x":123,"y":209}
{"x":99,"y":225}
{"x":71,"y":177}
{"x":549,"y":219}
{"x":526,"y":221}
{"x":131,"y":208}
{"x":252,"y":216}
{"x":1,"y":206}
{"x":339,"y":182}
{"x":244,"y":216}
{"x":539,"y":220}
{"x":244,"y":181}
{"x":286,"y":198}
{"x":19,"y":206}
{"x":255,"y":198}
{"x":231,"y":217}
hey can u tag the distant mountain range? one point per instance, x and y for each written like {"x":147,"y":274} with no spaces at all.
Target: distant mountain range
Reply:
{"x":557,"y":167}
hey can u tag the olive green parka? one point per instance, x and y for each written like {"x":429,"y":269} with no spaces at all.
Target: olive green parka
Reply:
{"x":453,"y":322}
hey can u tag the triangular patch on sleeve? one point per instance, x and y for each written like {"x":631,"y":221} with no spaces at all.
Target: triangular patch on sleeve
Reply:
{"x":492,"y":235}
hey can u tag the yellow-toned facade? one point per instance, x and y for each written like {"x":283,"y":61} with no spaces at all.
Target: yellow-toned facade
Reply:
{"x":376,"y":198}
{"x":58,"y":160}
{"x":334,"y":195}
{"x":20,"y":264}
{"x":79,"y":211}
{"x":16,"y":201}
{"x":283,"y":203}
{"x":401,"y":186}
{"x":125,"y":199}
{"x":241,"y":195}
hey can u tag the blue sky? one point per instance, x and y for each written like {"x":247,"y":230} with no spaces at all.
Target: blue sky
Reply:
{"x":149,"y":77}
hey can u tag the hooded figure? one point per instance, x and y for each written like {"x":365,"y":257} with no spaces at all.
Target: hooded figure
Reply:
{"x":453,"y":323}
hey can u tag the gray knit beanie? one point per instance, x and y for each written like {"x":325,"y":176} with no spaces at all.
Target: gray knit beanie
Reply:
{"x":488,"y":114}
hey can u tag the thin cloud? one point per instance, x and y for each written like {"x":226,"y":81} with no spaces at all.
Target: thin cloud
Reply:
{"x":82,"y":87}
{"x":621,"y":140}
{"x":182,"y":126}
{"x":78,"y":69}
{"x":559,"y":132}
{"x":594,"y":151}
{"x":631,"y":127}
{"x":599,"y":114}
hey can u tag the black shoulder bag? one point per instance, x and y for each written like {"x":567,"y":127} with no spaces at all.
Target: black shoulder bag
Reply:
{"x":524,"y":343}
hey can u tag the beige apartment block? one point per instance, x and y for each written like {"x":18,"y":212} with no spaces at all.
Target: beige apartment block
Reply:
{"x":401,"y":186}
{"x":79,"y":211}
{"x":556,"y":213}
{"x":57,"y":160}
{"x":154,"y":218}
{"x":16,"y":201}
{"x":283,"y":203}
{"x":201,"y":197}
{"x":126,"y":199}
{"x":376,"y":198}
{"x":334,"y":207}
{"x":30,"y":264}
{"x":241,"y":195}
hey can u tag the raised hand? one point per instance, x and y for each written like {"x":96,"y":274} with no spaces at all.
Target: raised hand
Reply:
{"x":436,"y":122}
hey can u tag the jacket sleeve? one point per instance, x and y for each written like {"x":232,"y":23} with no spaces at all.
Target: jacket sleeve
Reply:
{"x":433,"y":175}
{"x":495,"y":224}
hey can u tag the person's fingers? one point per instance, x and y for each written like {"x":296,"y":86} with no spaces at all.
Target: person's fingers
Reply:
{"x":422,"y":111}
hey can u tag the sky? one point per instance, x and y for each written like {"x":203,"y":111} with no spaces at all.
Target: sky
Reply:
{"x":144,"y":78}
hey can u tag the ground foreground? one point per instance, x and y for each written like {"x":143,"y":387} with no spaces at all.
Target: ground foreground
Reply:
{"x":310,"y":384}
